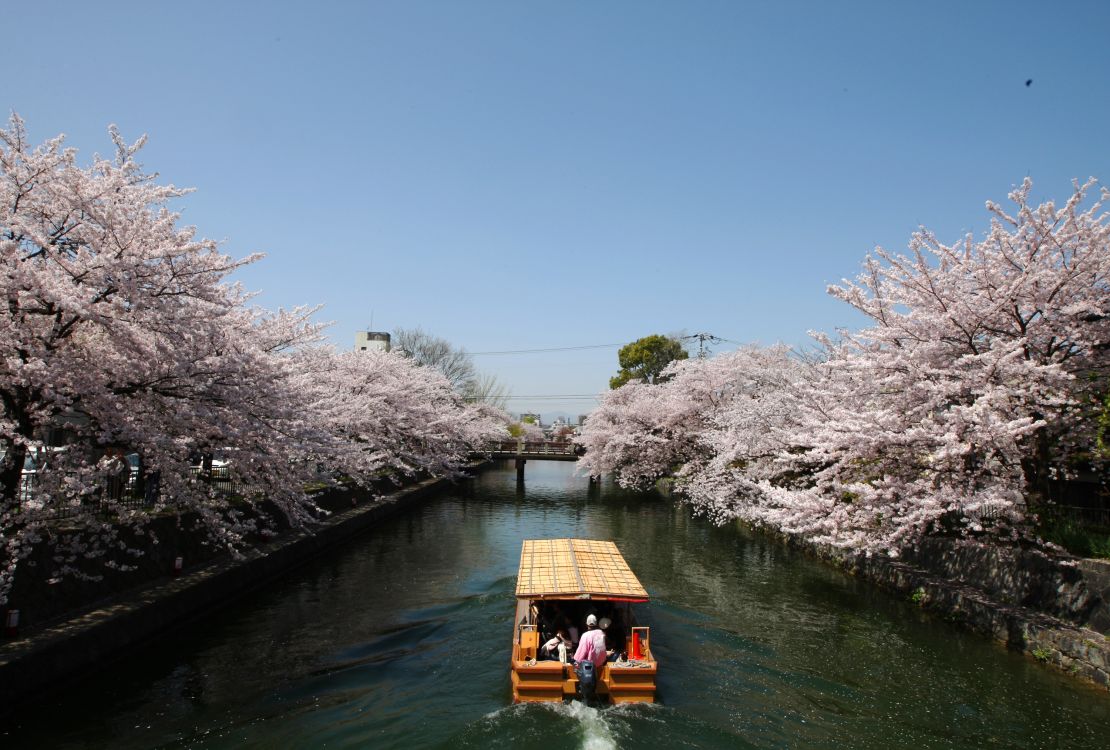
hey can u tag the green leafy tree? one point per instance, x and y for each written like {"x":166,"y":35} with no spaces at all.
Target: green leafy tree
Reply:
{"x":645,"y":358}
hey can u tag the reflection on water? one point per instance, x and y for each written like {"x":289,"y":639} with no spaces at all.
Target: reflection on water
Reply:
{"x":401,"y":640}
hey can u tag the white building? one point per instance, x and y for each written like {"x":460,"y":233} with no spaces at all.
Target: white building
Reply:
{"x":365,"y":340}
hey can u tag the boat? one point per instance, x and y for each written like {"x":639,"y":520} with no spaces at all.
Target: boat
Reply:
{"x":560,"y":583}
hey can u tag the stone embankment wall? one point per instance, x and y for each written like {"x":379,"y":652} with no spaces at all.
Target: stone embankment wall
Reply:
{"x":1054,"y":608}
{"x":78,"y":641}
{"x":42,"y":598}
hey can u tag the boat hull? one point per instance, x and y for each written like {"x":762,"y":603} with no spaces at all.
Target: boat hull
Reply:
{"x":552,"y":681}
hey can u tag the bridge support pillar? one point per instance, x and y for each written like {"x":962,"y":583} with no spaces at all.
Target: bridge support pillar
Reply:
{"x":520,"y":468}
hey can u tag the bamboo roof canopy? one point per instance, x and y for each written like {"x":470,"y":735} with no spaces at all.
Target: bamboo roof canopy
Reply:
{"x":575,"y":569}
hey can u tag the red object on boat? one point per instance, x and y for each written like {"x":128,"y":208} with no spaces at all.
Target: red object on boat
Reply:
{"x":636,"y":646}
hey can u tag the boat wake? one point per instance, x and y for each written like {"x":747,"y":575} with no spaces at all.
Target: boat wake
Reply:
{"x":596,"y":733}
{"x":564,"y":725}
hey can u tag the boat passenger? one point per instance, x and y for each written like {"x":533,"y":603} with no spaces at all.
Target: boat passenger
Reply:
{"x":562,"y":622}
{"x":557,"y":647}
{"x":559,"y":621}
{"x":592,"y":645}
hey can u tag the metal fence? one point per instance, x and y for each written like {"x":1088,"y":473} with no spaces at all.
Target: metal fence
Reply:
{"x":1083,"y":502}
{"x":128,"y":490}
{"x":1094,"y":518}
{"x":116,"y":492}
{"x":220,"y":478}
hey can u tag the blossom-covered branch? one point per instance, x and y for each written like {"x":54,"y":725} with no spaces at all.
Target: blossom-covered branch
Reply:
{"x":981,"y":379}
{"x":123,"y":332}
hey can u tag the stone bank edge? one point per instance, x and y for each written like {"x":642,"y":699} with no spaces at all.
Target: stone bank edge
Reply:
{"x":41,"y":661}
{"x":1051,"y":608}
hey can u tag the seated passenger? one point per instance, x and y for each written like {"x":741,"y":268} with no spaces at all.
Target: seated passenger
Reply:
{"x":557,"y":647}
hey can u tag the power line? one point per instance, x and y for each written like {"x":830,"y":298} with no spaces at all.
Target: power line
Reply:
{"x":702,"y":338}
{"x":568,"y":397}
{"x":551,"y":349}
{"x":575,"y":397}
{"x":592,"y":397}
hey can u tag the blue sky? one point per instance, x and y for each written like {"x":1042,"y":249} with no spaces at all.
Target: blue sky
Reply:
{"x":515,"y":175}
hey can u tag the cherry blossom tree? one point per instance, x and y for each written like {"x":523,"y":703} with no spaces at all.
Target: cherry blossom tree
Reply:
{"x":124,"y":329}
{"x":388,"y":415}
{"x":641,"y":432}
{"x":631,"y":435}
{"x":752,"y":425}
{"x":980,"y":378}
{"x":529,"y":432}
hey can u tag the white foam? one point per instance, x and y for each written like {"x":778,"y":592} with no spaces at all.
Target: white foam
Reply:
{"x":596,"y":732}
{"x":494,"y":715}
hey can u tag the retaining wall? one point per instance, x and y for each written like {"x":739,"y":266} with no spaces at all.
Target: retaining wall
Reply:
{"x":43,"y":657}
{"x":1054,"y":608}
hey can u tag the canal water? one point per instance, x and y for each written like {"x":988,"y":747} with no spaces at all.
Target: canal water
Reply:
{"x":401,"y":640}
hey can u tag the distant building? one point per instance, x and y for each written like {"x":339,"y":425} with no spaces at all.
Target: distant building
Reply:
{"x":365,"y":340}
{"x":582,"y":419}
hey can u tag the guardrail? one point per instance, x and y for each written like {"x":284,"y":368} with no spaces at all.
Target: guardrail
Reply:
{"x":534,"y":448}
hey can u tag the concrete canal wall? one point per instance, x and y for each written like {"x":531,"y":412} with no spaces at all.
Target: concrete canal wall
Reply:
{"x":1056,"y":609}
{"x":85,"y":640}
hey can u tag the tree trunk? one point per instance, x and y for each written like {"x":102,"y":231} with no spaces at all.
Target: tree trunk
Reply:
{"x":11,"y":475}
{"x":1037,"y":467}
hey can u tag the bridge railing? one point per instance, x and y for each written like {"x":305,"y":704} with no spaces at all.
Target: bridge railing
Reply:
{"x":534,"y":448}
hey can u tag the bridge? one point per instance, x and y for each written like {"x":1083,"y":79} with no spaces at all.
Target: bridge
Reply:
{"x":539,"y":451}
{"x":521,"y":451}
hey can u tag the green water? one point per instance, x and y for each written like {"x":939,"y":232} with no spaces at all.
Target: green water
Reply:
{"x":401,"y":639}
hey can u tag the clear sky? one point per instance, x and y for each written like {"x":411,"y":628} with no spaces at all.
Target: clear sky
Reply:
{"x":522,"y":175}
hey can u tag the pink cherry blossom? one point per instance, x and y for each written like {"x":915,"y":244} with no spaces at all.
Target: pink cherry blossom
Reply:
{"x":977,"y":383}
{"x":124,"y":329}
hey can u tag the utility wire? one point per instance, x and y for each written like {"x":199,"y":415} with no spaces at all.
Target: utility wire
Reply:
{"x":702,"y":337}
{"x":552,"y":349}
{"x":567,"y":396}
{"x":583,"y":397}
{"x":570,"y":397}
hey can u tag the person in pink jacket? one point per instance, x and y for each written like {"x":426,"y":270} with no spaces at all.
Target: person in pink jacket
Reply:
{"x":592,"y":645}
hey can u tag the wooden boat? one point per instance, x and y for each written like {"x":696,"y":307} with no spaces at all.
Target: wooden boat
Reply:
{"x":561,"y":582}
